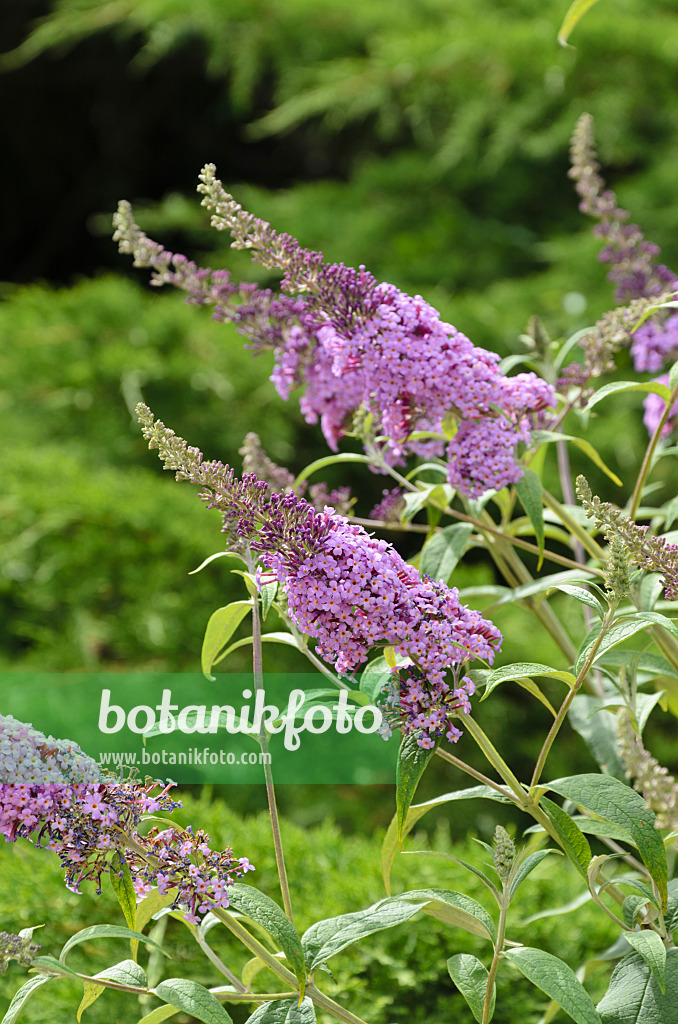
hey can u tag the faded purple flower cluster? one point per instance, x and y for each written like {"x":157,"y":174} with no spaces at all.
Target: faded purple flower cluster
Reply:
{"x":635,"y":270}
{"x":344,"y":588}
{"x":359,"y":347}
{"x":50,"y":794}
{"x":640,"y":546}
{"x":391,"y":506}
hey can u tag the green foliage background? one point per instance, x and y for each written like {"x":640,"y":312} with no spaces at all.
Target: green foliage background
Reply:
{"x":427,"y":140}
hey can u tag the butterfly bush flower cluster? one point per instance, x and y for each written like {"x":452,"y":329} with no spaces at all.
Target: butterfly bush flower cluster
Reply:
{"x":53,"y":794}
{"x":640,"y":280}
{"x":360,"y":348}
{"x":409,"y":705}
{"x":642,"y":548}
{"x":344,"y":588}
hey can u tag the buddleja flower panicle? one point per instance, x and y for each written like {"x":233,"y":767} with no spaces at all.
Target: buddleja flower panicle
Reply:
{"x":344,"y":588}
{"x":55,"y":796}
{"x":635,"y":272}
{"x":658,"y":788}
{"x":354,"y":344}
{"x":640,"y":546}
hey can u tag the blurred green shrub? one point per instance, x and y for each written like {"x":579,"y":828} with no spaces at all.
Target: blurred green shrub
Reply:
{"x":400,"y":974}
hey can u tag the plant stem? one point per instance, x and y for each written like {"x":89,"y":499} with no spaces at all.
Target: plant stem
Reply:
{"x":492,"y":755}
{"x":458,"y":763}
{"x":319,"y":998}
{"x":649,"y":454}
{"x":565,"y":706}
{"x":220,"y":966}
{"x":498,"y":949}
{"x":257,"y":667}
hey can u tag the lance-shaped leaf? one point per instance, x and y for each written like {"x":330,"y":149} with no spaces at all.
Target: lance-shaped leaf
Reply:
{"x":91,"y":993}
{"x":634,"y":995}
{"x":440,"y":554}
{"x":653,"y":951}
{"x":160,"y":1014}
{"x":220,"y":628}
{"x":527,"y":867}
{"x":326,"y":938}
{"x":557,"y":980}
{"x":20,"y":997}
{"x":193,"y":999}
{"x":107,"y":931}
{"x":540,"y":437}
{"x":470,"y":977}
{"x":265,"y":912}
{"x":619,"y":386}
{"x":523,"y":670}
{"x":391,"y":844}
{"x":123,"y":887}
{"x":453,"y":908}
{"x":284,"y":1011}
{"x":575,"y":13}
{"x":575,"y":843}
{"x":412,"y":761}
{"x":529,"y":489}
{"x":611,"y":799}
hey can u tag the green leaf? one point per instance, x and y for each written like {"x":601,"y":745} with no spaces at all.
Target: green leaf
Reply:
{"x":90,"y":995}
{"x":631,"y":908}
{"x":266,"y":638}
{"x":575,"y":13}
{"x":557,"y":980}
{"x":574,"y":841}
{"x":50,"y":965}
{"x":598,"y":732}
{"x":328,"y":460}
{"x":671,"y":915}
{"x":326,"y":938}
{"x":267,"y":594}
{"x":391,"y":842}
{"x":619,"y":386}
{"x":527,"y":866}
{"x":529,"y":489}
{"x":653,"y":951}
{"x":539,"y":586}
{"x":611,"y":799}
{"x":123,"y":887}
{"x":127,"y":972}
{"x":160,"y":1014}
{"x":264,"y":911}
{"x":580,"y":595}
{"x":284,"y":1011}
{"x":106,"y":931}
{"x":149,"y":906}
{"x":522,"y":670}
{"x":634,"y":996}
{"x":412,"y":761}
{"x":470,"y":977}
{"x":220,"y":628}
{"x":20,"y":997}
{"x":540,"y":437}
{"x":452,"y":908}
{"x":193,"y":999}
{"x":441,"y":553}
{"x":374,"y":678}
{"x":617,"y":634}
{"x":209,"y":559}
